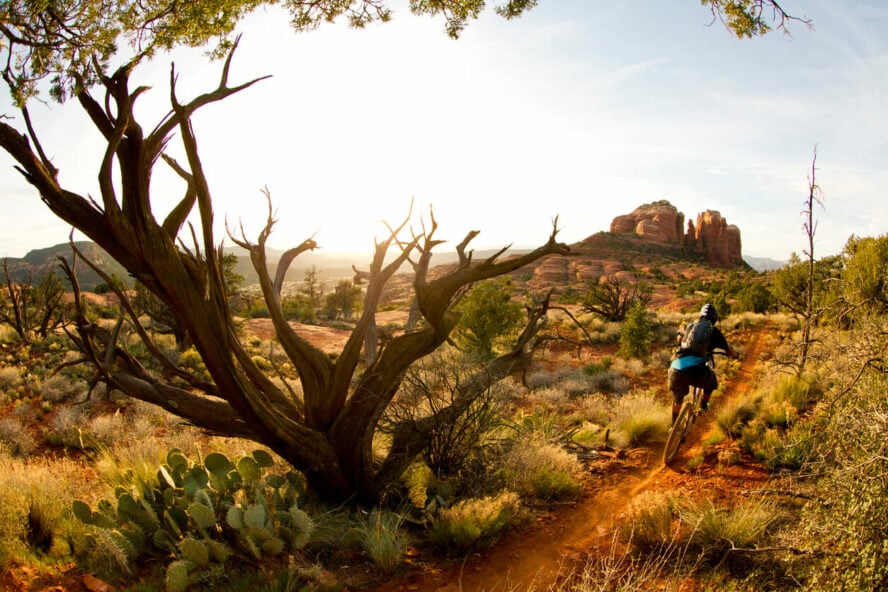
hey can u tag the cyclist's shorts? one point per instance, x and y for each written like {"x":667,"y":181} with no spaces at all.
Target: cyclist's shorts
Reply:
{"x":680,"y":381}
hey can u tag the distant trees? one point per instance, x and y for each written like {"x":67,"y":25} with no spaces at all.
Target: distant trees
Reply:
{"x":31,"y":307}
{"x":343,"y":301}
{"x":865,"y":275}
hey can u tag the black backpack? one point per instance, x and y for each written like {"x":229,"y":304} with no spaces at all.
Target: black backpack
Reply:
{"x":696,"y":337}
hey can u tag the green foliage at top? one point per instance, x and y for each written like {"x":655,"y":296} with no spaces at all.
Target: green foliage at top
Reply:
{"x":750,"y":18}
{"x":488,"y":313}
{"x":65,"y":40}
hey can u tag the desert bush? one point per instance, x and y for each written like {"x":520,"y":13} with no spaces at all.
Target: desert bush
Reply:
{"x":10,"y":378}
{"x":695,"y":462}
{"x":595,"y":408}
{"x":641,"y":418}
{"x":574,"y":383}
{"x":65,"y":429}
{"x":630,"y":367}
{"x":794,"y":390}
{"x":106,"y":429}
{"x":383,"y":540}
{"x":191,"y":361}
{"x":473,"y":523}
{"x":602,"y":365}
{"x":601,"y":332}
{"x":15,"y":437}
{"x":548,"y":396}
{"x":60,"y":387}
{"x":611,"y":381}
{"x":650,"y":525}
{"x":540,"y":470}
{"x":539,"y":379}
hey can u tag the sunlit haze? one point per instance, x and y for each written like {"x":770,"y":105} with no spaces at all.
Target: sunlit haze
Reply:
{"x":579,"y":110}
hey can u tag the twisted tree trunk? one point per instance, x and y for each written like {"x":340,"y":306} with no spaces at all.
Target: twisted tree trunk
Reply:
{"x":328,"y":432}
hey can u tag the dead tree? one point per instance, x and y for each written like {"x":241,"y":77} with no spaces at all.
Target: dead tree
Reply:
{"x":327,"y":434}
{"x":611,"y":298}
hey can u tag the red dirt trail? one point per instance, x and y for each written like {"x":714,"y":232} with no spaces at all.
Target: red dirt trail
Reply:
{"x":535,"y":556}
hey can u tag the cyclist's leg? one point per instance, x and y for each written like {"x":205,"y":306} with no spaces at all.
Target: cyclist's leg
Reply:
{"x":709,"y":384}
{"x":679,"y":385}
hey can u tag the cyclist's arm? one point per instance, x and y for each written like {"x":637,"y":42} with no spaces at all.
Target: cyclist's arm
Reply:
{"x":719,"y":342}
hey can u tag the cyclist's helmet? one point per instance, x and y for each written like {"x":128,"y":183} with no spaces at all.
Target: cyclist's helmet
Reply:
{"x":709,"y":312}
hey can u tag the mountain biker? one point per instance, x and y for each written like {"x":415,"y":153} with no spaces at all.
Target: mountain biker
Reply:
{"x":688,"y":369}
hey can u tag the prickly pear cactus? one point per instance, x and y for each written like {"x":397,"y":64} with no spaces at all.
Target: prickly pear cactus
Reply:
{"x":198,"y":511}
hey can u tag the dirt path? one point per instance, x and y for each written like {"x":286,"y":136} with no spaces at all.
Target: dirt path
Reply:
{"x":557,"y":542}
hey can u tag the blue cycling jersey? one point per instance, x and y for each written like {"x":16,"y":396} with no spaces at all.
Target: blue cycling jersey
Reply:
{"x":686,"y":362}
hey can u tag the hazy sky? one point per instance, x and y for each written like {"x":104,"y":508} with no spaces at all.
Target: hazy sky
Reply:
{"x":581,"y":110}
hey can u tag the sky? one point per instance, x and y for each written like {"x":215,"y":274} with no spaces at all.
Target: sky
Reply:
{"x":577,"y":110}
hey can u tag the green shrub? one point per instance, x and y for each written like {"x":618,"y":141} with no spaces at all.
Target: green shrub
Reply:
{"x":695,"y":462}
{"x":475,"y":522}
{"x":60,"y":387}
{"x":793,"y":390}
{"x":190,"y":360}
{"x":603,"y":365}
{"x":636,"y":333}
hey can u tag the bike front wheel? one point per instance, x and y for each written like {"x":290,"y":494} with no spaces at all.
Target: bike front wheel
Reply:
{"x":679,"y":430}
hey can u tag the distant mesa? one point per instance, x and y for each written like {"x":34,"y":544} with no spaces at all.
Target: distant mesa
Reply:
{"x":661,"y":223}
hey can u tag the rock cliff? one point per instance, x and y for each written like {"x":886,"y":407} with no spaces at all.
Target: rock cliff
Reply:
{"x":660,"y":222}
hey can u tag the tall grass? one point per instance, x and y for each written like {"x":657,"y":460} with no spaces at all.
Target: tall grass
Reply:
{"x":540,"y":470}
{"x":35,"y":522}
{"x":473,"y":523}
{"x":718,"y":531}
{"x":383,"y":540}
{"x":641,"y":418}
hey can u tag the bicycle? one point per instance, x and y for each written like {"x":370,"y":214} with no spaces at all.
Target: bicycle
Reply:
{"x":689,"y":411}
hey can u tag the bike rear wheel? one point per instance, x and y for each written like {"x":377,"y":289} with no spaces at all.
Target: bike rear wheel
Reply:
{"x":679,"y":430}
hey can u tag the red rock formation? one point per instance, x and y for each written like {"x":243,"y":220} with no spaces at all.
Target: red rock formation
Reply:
{"x":660,"y":222}
{"x":718,"y":242}
{"x":657,"y":222}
